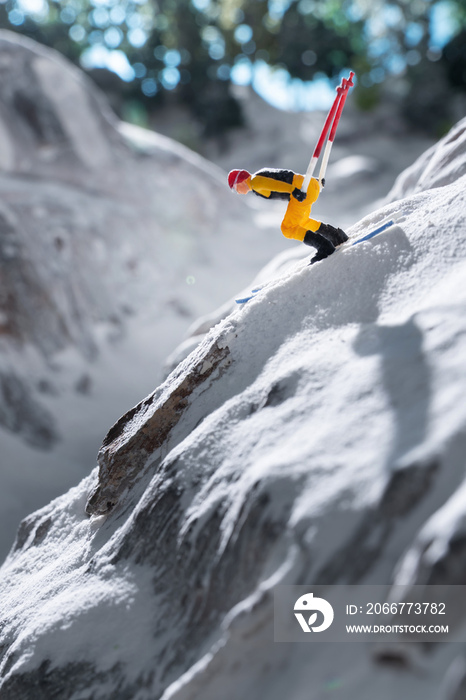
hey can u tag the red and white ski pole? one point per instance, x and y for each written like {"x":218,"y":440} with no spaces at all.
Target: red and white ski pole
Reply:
{"x":333,"y":118}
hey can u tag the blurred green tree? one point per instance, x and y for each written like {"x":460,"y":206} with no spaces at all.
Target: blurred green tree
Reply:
{"x":189,"y":51}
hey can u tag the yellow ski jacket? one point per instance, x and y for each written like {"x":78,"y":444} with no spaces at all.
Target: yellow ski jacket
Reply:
{"x":279,"y":184}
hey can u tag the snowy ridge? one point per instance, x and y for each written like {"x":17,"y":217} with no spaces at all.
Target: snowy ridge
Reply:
{"x":352,"y":240}
{"x":112,"y":241}
{"x":440,"y":165}
{"x":315,"y":436}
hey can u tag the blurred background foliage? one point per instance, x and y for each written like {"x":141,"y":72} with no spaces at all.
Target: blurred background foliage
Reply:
{"x":149,"y":53}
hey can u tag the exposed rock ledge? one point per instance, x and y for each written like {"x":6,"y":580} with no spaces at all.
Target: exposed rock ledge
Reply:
{"x":316,"y":436}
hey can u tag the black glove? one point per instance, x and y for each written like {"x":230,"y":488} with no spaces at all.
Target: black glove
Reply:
{"x":298,"y":194}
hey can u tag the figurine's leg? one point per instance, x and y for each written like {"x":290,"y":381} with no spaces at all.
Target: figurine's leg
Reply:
{"x":293,"y":232}
{"x":313,"y":225}
{"x":335,"y":235}
{"x":323,"y":246}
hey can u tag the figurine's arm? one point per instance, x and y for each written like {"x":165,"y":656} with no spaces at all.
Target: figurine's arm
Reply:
{"x":266,"y":185}
{"x":282,"y":184}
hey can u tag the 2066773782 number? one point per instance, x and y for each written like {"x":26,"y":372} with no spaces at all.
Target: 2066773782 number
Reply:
{"x":405,"y":608}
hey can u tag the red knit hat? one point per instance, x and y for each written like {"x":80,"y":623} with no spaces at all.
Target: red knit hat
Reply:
{"x":237,"y":176}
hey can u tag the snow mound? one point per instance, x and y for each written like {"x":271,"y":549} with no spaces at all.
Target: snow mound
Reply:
{"x":440,"y":165}
{"x":112,"y":239}
{"x":316,"y":436}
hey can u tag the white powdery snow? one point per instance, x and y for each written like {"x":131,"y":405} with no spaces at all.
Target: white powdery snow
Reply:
{"x":129,"y":237}
{"x":340,"y":378}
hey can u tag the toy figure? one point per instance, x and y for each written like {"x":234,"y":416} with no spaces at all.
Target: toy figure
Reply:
{"x":300,"y":191}
{"x":297,"y":224}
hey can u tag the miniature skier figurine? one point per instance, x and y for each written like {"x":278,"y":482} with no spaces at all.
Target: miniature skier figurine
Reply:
{"x":300,"y":191}
{"x":297,"y":224}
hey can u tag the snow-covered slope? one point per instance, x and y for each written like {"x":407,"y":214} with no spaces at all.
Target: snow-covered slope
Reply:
{"x":112,"y":241}
{"x":315,"y":436}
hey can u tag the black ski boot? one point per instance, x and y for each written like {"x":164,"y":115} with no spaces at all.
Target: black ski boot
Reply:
{"x":336,"y":236}
{"x":323,"y":246}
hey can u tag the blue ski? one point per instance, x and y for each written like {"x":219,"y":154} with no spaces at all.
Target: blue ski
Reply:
{"x":381,"y":228}
{"x":253,"y":294}
{"x":384,"y":226}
